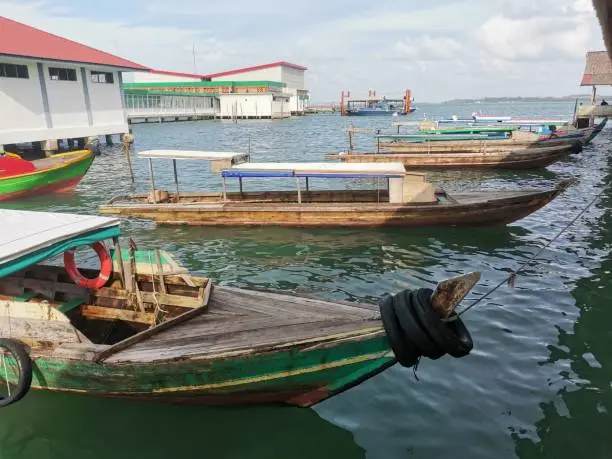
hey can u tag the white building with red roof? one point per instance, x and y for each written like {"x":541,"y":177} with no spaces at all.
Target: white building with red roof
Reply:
{"x":275,"y":90}
{"x":53,"y":88}
{"x":290,"y":75}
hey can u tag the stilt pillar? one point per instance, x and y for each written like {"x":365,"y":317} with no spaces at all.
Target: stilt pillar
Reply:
{"x":109,"y":139}
{"x":49,"y":146}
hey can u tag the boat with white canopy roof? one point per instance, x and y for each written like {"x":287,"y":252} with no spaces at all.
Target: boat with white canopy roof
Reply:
{"x":395,"y":197}
{"x":127,"y":332}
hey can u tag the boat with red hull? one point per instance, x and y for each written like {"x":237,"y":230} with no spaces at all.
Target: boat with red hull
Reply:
{"x":56,"y":174}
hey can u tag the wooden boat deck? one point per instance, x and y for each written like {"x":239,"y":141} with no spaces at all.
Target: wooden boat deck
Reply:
{"x":59,"y":160}
{"x":245,"y":321}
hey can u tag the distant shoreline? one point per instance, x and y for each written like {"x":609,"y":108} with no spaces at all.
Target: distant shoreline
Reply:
{"x":585,"y":98}
{"x":485,"y":100}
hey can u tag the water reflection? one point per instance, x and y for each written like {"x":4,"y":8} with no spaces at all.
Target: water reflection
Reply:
{"x":576,"y":422}
{"x":60,"y":425}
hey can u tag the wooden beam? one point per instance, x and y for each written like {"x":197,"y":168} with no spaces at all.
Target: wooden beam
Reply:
{"x":100,"y":312}
{"x":161,"y":298}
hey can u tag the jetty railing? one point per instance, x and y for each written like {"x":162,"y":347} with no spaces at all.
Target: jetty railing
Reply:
{"x":146,"y":105}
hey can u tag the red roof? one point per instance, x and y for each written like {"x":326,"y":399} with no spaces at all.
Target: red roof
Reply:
{"x":258,"y":67}
{"x":17,"y":39}
{"x":179,"y":74}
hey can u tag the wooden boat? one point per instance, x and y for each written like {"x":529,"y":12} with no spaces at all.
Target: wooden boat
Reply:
{"x":407,"y":201}
{"x":483,"y":143}
{"x":159,"y":335}
{"x":518,"y":158}
{"x":527,"y":134}
{"x":58,"y":173}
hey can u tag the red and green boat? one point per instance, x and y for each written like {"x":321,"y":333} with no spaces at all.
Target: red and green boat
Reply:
{"x":146,"y":329}
{"x":56,"y":174}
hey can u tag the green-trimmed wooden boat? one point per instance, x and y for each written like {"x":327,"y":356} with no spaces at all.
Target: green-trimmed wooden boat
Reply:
{"x":58,"y":173}
{"x":154,"y":332}
{"x":472,"y":130}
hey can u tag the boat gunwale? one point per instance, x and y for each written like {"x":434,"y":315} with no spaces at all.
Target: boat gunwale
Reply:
{"x":79,"y":155}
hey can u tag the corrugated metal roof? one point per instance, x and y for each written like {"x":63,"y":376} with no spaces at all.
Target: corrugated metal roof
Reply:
{"x":258,"y":67}
{"x":598,"y":69}
{"x":195,"y":76}
{"x":21,"y":40}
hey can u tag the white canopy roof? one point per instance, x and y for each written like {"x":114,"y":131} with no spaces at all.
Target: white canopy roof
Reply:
{"x":326,"y":168}
{"x":192,"y":154}
{"x":23,"y":232}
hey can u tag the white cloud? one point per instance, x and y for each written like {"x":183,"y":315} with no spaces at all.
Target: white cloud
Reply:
{"x":428,"y":48}
{"x":440,"y":50}
{"x":540,"y":37}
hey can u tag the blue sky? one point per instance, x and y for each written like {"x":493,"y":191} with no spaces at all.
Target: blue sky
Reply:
{"x":440,"y":49}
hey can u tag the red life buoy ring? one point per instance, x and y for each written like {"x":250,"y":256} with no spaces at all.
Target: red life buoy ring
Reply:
{"x":106,"y":268}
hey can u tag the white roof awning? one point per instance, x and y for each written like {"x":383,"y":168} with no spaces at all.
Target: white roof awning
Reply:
{"x":193,"y":154}
{"x":323,"y":169}
{"x":26,"y":232}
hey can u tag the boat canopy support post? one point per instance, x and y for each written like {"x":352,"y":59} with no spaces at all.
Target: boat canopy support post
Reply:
{"x":160,"y":272}
{"x":593,"y":99}
{"x":152,"y":179}
{"x":240,"y":182}
{"x":307,"y":186}
{"x":119,"y":261}
{"x":224,"y":184}
{"x":299,"y":190}
{"x":176,"y":182}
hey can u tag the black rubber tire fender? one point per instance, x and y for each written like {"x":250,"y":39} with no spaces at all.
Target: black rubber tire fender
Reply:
{"x":19,"y":352}
{"x":406,"y":355}
{"x":412,"y":327}
{"x":452,"y":336}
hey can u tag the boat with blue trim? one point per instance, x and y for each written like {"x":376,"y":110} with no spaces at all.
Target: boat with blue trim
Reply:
{"x":398,"y":198}
{"x":377,"y":106}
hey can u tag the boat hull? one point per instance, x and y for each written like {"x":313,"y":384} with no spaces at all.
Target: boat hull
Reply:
{"x":472,"y":146}
{"x":494,"y":208}
{"x":63,"y":177}
{"x":300,"y":378}
{"x":595,"y":131}
{"x":528,"y":158}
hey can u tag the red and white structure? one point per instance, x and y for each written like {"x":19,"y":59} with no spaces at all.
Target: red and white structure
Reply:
{"x":291,"y":75}
{"x":275,"y":90}
{"x":52,"y":88}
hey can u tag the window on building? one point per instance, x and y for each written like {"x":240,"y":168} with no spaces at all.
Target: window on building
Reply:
{"x":61,"y":74}
{"x":14,"y":71}
{"x":102,"y":77}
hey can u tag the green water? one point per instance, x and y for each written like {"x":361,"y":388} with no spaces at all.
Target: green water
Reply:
{"x":537,"y":385}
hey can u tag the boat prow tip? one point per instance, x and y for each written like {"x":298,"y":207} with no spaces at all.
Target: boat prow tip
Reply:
{"x":450,"y":292}
{"x":565,"y":184}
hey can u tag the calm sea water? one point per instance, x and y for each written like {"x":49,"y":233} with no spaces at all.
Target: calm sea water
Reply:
{"x":537,"y":385}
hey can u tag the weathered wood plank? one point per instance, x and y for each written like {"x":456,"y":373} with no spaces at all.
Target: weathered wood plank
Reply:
{"x":33,"y":310}
{"x":103,"y":313}
{"x":260,"y":341}
{"x":146,"y":334}
{"x":40,"y":332}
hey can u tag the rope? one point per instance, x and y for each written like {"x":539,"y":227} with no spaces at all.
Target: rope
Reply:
{"x":510,"y":279}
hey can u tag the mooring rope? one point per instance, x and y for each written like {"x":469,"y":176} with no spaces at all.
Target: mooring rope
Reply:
{"x":510,"y":279}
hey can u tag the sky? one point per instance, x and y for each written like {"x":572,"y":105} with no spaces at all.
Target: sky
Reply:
{"x":439,"y":49}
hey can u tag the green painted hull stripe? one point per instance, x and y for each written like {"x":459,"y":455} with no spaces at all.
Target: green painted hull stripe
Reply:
{"x":44,"y":178}
{"x":329,"y":369}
